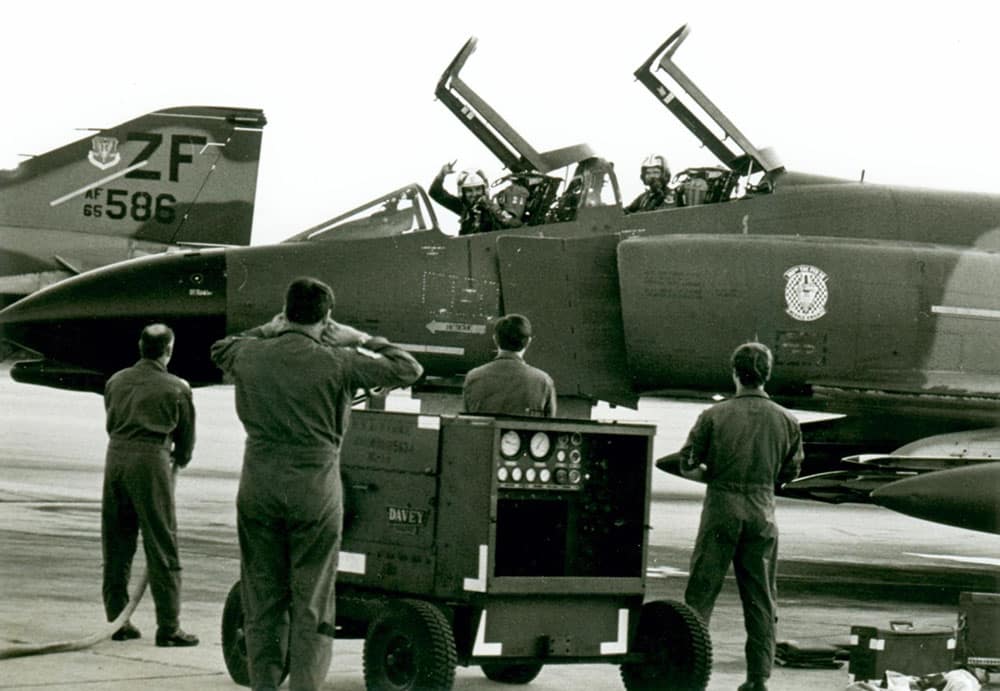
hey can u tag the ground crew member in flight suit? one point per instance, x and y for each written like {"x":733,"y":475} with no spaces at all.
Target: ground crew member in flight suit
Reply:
{"x":655,"y":174}
{"x":508,"y":385}
{"x":150,"y":423}
{"x":295,"y":380}
{"x":476,"y":211}
{"x":742,"y":448}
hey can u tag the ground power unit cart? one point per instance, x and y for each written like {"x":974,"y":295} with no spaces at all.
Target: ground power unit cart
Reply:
{"x":507,"y":543}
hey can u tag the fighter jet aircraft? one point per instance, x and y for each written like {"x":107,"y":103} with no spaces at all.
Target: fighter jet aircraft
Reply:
{"x":175,"y":177}
{"x":879,"y":302}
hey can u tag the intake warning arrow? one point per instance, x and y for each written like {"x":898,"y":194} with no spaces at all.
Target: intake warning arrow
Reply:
{"x":455,"y":327}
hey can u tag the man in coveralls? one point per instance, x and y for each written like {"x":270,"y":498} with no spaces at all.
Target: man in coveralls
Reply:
{"x":742,"y":448}
{"x":148,"y":412}
{"x":476,"y":211}
{"x":508,"y":385}
{"x":295,"y":380}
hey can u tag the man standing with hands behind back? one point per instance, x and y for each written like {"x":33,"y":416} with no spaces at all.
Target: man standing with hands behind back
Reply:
{"x":295,"y":379}
{"x":742,"y":448}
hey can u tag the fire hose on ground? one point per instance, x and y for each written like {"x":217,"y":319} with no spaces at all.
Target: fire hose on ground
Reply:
{"x":102,"y":634}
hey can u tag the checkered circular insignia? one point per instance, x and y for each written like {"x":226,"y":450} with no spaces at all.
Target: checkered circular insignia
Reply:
{"x":805,"y":293}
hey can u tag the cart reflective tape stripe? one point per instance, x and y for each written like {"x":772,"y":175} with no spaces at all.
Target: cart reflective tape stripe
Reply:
{"x":620,"y":645}
{"x":478,"y":584}
{"x":481,"y":647}
{"x":352,"y":562}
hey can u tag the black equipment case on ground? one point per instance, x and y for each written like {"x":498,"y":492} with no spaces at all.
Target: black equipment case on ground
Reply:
{"x":979,"y":630}
{"x":900,"y":648}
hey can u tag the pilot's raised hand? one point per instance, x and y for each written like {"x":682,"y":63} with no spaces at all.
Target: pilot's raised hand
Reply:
{"x":342,"y":335}
{"x":448,"y":168}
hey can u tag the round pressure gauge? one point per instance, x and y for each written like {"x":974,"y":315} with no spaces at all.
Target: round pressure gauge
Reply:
{"x":502,"y":474}
{"x":544,"y":474}
{"x":510,"y":443}
{"x":529,"y":475}
{"x":540,"y":445}
{"x":515,"y":474}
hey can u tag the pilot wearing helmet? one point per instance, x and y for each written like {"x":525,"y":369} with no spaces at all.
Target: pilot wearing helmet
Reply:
{"x":655,"y":175}
{"x":477,"y":212}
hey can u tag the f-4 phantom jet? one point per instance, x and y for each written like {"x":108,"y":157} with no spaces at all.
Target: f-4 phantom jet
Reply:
{"x":881,"y":303}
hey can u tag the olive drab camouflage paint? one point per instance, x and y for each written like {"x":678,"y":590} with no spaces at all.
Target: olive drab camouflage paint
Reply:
{"x":174,"y":177}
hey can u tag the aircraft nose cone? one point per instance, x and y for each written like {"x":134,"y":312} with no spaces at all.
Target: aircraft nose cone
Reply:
{"x":967,"y":497}
{"x":93,"y":321}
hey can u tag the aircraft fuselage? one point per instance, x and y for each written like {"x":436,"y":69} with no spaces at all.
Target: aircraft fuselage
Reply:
{"x":851,"y":284}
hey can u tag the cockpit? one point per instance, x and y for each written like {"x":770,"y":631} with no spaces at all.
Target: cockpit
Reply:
{"x":535,"y":194}
{"x":402,"y":211}
{"x":533,"y":198}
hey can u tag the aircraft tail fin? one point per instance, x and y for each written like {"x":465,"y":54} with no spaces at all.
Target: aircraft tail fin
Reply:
{"x":177,"y":176}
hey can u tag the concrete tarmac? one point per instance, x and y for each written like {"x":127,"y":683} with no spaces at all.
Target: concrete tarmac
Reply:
{"x":840,"y":566}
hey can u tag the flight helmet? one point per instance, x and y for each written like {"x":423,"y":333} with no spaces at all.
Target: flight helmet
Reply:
{"x":654,"y":161}
{"x":471,"y":186}
{"x":468,"y":179}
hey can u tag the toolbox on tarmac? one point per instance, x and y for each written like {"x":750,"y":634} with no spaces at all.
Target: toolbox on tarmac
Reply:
{"x":900,"y":648}
{"x":979,"y":630}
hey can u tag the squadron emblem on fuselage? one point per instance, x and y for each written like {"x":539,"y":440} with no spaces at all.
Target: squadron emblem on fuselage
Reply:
{"x":805,"y":293}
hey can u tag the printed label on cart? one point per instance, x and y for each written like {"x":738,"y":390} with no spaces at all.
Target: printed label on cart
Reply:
{"x":405,"y":519}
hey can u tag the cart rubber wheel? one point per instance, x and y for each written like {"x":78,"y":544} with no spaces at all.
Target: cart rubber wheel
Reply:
{"x":409,"y":647}
{"x":511,"y":674}
{"x":234,"y":640}
{"x":676,"y":646}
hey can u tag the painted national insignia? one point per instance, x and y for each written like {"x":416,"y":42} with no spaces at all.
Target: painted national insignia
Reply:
{"x":104,"y":152}
{"x":805,"y":293}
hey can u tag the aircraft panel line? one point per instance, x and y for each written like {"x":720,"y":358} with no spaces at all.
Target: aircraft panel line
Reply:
{"x":965,"y":311}
{"x":439,"y":350}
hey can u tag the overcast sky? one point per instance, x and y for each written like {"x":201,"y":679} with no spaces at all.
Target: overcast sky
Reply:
{"x":904,"y":90}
